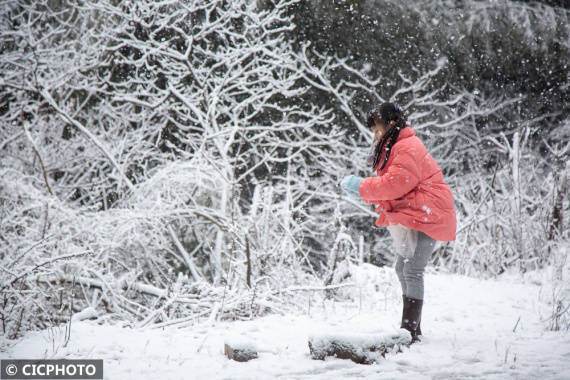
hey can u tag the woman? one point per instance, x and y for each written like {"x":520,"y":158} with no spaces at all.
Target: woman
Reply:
{"x":415,"y":203}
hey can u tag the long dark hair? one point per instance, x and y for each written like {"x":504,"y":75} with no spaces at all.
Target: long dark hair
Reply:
{"x":384,"y":114}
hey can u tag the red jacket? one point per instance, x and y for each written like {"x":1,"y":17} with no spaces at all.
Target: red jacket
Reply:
{"x":410,"y":190}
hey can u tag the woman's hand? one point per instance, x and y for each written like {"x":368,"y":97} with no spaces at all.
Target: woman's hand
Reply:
{"x":350,"y":185}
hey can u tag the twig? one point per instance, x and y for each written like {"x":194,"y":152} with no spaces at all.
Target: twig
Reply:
{"x":185,"y":255}
{"x":518,"y":320}
{"x":248,"y":261}
{"x":37,"y":152}
{"x":68,"y":327}
{"x":9,"y":140}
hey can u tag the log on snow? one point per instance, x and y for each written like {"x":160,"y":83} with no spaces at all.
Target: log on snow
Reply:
{"x":360,"y":348}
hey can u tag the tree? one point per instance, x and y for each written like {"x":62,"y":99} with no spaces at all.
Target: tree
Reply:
{"x":170,"y":154}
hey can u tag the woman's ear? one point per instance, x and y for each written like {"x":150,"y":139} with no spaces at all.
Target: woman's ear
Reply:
{"x":392,"y":123}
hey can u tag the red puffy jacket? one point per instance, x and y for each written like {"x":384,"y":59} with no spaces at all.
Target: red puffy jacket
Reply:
{"x":410,"y":190}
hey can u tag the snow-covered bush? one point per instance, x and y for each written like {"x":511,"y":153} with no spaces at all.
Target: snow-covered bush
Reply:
{"x":156,"y":163}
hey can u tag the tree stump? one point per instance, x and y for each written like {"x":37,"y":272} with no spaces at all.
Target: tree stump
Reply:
{"x":240,"y":352}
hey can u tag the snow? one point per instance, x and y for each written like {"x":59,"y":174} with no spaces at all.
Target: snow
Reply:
{"x":473,"y":329}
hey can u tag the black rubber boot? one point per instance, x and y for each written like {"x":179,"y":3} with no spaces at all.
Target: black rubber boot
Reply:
{"x":411,"y":316}
{"x":419,"y":328}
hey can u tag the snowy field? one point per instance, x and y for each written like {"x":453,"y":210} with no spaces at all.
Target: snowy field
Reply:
{"x":474,"y":329}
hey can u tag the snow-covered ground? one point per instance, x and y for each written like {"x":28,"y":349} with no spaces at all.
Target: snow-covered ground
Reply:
{"x":474,"y":329}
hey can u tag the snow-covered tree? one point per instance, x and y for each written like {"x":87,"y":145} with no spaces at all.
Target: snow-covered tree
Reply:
{"x":153,"y":139}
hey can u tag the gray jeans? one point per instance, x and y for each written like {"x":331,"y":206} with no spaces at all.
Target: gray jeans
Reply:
{"x":411,"y":271}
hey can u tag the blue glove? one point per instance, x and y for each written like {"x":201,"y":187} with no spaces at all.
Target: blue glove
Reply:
{"x":350,"y":185}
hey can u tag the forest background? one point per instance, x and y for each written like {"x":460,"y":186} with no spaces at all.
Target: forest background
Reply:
{"x":167,"y":161}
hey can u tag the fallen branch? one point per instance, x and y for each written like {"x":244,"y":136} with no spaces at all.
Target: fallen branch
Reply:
{"x":360,"y":348}
{"x":315,"y":288}
{"x":50,"y":261}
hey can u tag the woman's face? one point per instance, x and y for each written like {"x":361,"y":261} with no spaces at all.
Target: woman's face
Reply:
{"x":380,"y":129}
